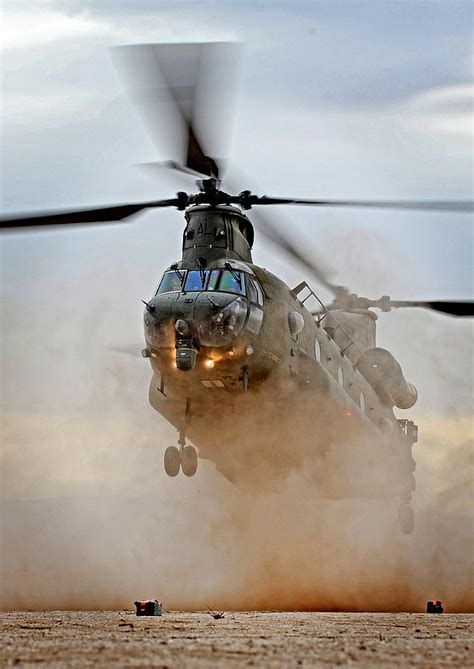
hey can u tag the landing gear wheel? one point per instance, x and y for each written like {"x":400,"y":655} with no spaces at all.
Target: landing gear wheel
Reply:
{"x":189,"y":461}
{"x":406,"y":518}
{"x":172,"y":461}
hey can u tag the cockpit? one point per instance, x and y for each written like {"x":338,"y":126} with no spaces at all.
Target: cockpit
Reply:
{"x":206,"y":307}
{"x":218,"y":280}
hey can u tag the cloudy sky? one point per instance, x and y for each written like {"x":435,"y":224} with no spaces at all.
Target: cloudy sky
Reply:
{"x":335,"y":99}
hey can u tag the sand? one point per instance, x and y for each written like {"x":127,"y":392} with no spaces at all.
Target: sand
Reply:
{"x":119,"y":639}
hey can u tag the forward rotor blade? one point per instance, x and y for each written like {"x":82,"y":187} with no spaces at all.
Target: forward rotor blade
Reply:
{"x":179,"y":90}
{"x":266,"y":227}
{"x":268,"y":230}
{"x":455,"y":206}
{"x":453,"y":307}
{"x":81,"y":217}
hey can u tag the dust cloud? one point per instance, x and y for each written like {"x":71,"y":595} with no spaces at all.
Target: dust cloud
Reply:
{"x":89,"y":519}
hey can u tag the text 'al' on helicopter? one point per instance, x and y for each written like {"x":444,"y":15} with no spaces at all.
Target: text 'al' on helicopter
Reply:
{"x":260,"y":378}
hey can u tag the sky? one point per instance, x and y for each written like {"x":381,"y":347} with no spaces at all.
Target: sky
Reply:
{"x":333,"y":99}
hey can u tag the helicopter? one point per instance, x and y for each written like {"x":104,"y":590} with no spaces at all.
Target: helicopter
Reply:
{"x":259,"y":378}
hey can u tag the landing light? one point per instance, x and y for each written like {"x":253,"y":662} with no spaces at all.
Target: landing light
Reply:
{"x":209,"y":364}
{"x":349,"y":413}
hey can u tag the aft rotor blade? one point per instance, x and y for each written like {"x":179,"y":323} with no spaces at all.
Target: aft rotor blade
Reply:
{"x":107,"y":214}
{"x":453,"y":307}
{"x":454,"y":206}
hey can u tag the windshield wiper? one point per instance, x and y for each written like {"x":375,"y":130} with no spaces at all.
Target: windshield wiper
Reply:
{"x":237,"y":276}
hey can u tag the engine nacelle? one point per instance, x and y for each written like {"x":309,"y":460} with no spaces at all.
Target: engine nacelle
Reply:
{"x":385,"y":375}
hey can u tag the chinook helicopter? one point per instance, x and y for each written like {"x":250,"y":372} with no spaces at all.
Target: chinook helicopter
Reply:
{"x":260,"y":378}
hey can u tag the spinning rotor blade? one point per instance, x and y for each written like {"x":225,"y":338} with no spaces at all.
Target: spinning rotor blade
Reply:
{"x":268,"y":230}
{"x":264,"y":225}
{"x":452,"y":308}
{"x":183,"y":91}
{"x":107,"y":214}
{"x":457,"y":206}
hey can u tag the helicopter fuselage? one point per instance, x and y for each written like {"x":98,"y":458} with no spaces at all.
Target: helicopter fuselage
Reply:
{"x":255,"y":381}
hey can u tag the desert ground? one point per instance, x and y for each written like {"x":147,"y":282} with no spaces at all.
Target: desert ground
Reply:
{"x":57,"y":639}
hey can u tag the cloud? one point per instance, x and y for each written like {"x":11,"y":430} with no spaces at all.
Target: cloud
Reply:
{"x":40,"y":24}
{"x":444,"y":108}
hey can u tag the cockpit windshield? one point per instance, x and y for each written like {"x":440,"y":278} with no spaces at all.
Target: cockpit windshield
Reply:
{"x":227,"y":281}
{"x":196,"y":281}
{"x":223,"y":280}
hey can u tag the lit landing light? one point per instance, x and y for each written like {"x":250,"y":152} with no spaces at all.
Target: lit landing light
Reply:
{"x":348,"y":413}
{"x":209,"y":364}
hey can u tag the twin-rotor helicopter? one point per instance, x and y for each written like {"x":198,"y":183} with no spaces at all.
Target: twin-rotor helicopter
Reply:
{"x":257,"y":377}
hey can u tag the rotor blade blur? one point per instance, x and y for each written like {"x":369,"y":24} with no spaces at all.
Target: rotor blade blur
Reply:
{"x":179,"y":90}
{"x":265,"y":226}
{"x":268,"y":230}
{"x":453,"y":206}
{"x":453,"y":307}
{"x":81,"y":217}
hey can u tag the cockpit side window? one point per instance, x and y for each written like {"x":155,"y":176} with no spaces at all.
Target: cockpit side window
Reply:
{"x":260,"y":298}
{"x":171,"y":282}
{"x":254,"y":291}
{"x":251,"y":290}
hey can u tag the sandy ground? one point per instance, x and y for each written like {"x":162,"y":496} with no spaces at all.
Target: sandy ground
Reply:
{"x":120,"y":639}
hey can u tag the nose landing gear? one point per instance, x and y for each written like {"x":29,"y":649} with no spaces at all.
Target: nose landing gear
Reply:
{"x":172,"y":461}
{"x":189,"y":461}
{"x":184,"y":457}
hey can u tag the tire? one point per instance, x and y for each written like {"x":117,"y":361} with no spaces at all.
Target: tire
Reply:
{"x":189,"y":461}
{"x":406,"y":518}
{"x":172,"y":461}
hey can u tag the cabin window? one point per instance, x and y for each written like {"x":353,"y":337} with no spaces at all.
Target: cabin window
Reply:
{"x":340,"y":376}
{"x":171,"y":282}
{"x":317,"y":350}
{"x":362,"y":401}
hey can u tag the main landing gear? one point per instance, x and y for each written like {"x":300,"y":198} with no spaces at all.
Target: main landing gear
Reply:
{"x":184,"y":457}
{"x":406,"y":518}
